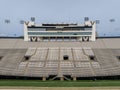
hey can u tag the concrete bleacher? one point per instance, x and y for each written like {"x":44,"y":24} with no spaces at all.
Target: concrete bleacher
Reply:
{"x":36,"y":72}
{"x":53,"y":54}
{"x":82,"y":72}
{"x":51,"y":64}
{"x":10,"y":61}
{"x":66,"y":70}
{"x":65,"y":51}
{"x":79,"y":55}
{"x":40,"y":54}
{"x":46,"y":61}
{"x":82,"y":64}
{"x":95,"y":65}
{"x":35,"y":64}
{"x":66,"y":64}
{"x":88,"y":51}
{"x":19,"y":71}
{"x":107,"y":61}
{"x":106,"y":58}
{"x":30,"y":51}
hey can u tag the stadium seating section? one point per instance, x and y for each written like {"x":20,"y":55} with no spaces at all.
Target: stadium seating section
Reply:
{"x":60,"y":59}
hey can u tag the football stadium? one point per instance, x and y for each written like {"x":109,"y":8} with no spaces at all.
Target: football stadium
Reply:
{"x":62,"y":52}
{"x":59,"y":45}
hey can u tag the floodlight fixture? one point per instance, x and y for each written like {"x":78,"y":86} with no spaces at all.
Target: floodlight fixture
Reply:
{"x":7,"y":21}
{"x":33,"y":19}
{"x":22,"y":21}
{"x":112,"y":20}
{"x":86,"y":18}
{"x":97,"y":21}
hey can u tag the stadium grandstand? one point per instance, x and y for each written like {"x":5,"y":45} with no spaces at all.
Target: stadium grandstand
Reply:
{"x":68,"y":56}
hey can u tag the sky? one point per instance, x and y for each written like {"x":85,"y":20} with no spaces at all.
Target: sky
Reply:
{"x":60,"y":11}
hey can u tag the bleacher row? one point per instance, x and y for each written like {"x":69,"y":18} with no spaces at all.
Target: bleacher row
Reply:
{"x":43,"y":62}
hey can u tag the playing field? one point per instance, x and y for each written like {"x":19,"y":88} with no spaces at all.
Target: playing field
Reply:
{"x":59,"y":85}
{"x":59,"y":88}
{"x":82,"y":83}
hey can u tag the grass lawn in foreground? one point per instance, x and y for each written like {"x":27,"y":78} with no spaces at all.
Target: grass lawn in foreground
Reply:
{"x":38,"y":83}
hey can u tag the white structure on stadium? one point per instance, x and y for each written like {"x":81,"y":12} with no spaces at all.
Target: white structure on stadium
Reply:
{"x":80,"y":32}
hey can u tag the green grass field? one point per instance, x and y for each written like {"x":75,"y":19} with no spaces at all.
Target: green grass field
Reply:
{"x":38,"y":83}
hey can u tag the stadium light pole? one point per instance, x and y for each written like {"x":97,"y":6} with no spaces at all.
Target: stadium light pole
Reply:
{"x":97,"y":22}
{"x":7,"y":21}
{"x":86,"y":19}
{"x":112,"y":21}
{"x":22,"y":21}
{"x":32,"y":19}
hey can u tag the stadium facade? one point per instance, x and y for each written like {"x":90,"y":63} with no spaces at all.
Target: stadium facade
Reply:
{"x":80,"y":32}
